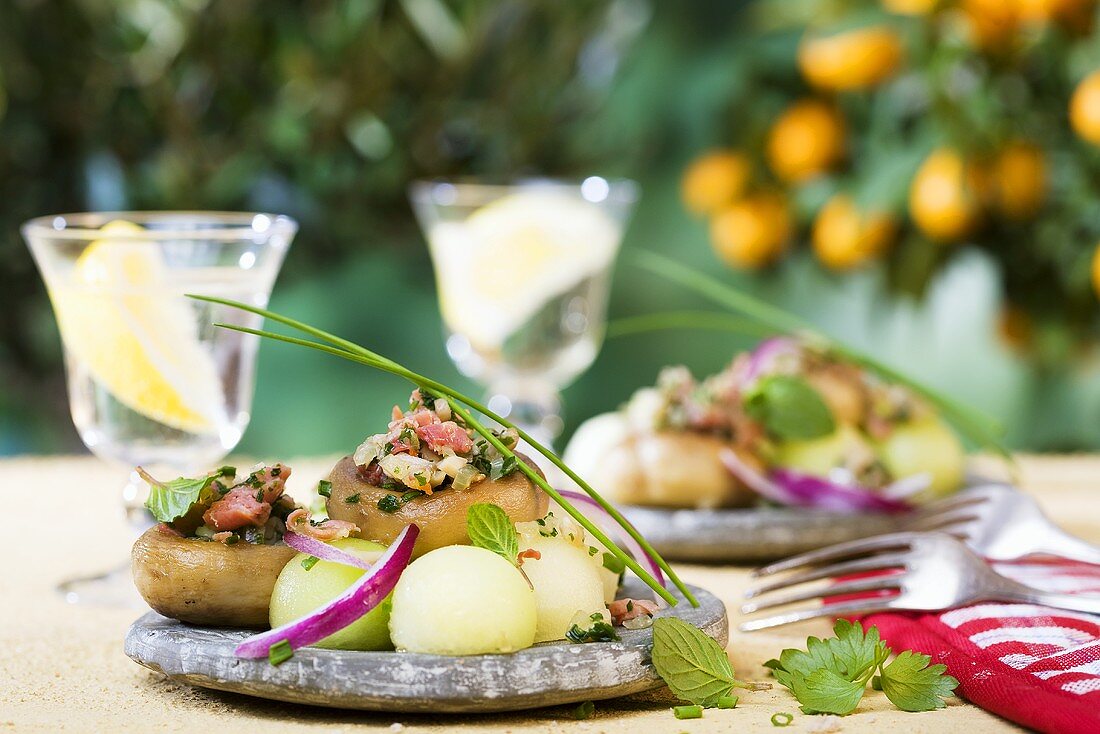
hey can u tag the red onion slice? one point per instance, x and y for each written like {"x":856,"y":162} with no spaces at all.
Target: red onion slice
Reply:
{"x":796,"y":489}
{"x":358,"y":599}
{"x":765,"y":353}
{"x":611,"y":526}
{"x":324,"y":551}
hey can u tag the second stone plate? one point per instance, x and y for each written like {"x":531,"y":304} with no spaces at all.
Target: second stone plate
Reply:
{"x":544,"y":675}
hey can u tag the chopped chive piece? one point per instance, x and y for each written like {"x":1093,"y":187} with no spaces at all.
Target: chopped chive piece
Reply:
{"x":308,"y":563}
{"x":584,"y":711}
{"x":727,"y":702}
{"x":226,"y":471}
{"x":324,"y":488}
{"x":613,"y":563}
{"x":280,"y":652}
{"x":411,"y":495}
{"x":688,"y":712}
{"x":782,"y":719}
{"x":352,"y":499}
{"x":389,"y":503}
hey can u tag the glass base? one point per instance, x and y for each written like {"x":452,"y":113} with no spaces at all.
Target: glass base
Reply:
{"x":113,"y":589}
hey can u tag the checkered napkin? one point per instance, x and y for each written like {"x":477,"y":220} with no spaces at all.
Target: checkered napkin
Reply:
{"x":1037,"y":666}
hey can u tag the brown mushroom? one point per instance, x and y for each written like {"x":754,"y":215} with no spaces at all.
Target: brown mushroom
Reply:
{"x":205,"y":582}
{"x":440,"y":516}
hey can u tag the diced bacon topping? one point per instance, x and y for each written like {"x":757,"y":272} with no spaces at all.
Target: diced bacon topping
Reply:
{"x":624,"y":609}
{"x":298,"y":522}
{"x":271,"y":480}
{"x":222,"y":537}
{"x":238,"y":509}
{"x":446,"y":434}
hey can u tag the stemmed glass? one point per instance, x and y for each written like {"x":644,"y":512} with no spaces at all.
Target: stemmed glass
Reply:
{"x":151,"y":381}
{"x":523,"y":271}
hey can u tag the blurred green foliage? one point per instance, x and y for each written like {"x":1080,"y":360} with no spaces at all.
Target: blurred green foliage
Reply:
{"x":326,"y":109}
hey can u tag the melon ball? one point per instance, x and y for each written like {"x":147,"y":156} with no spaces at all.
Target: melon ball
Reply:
{"x":925,"y":446}
{"x":299,"y":591}
{"x":819,"y":456}
{"x":566,"y":582}
{"x":462,"y":600}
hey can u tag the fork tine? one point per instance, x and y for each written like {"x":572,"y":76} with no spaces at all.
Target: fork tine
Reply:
{"x":943,"y":519}
{"x":838,"y":552}
{"x":954,"y":502}
{"x":832,"y":610}
{"x":873,"y":563}
{"x":878,"y":583}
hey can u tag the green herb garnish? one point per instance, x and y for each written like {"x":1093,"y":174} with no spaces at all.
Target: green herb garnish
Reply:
{"x":324,"y":488}
{"x":169,"y":501}
{"x":688,"y":712}
{"x":490,"y":528}
{"x":727,"y":702}
{"x":310,"y":562}
{"x":831,"y":675}
{"x":461,"y":406}
{"x":789,"y":408}
{"x":584,"y":711}
{"x":693,"y":665}
{"x":352,"y":499}
{"x":280,"y":652}
{"x":782,"y":719}
{"x":599,"y":631}
{"x":390,"y":503}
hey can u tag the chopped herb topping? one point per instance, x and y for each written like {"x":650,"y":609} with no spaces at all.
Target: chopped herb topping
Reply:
{"x":584,"y":711}
{"x":390,"y":503}
{"x":600,"y":631}
{"x":352,"y":499}
{"x":688,"y":712}
{"x":727,"y":702}
{"x":324,"y":488}
{"x":782,"y":719}
{"x":308,"y":563}
{"x":280,"y":652}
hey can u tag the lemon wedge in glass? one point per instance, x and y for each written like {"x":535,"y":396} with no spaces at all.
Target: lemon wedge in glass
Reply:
{"x":122,"y":321}
{"x":508,"y":259}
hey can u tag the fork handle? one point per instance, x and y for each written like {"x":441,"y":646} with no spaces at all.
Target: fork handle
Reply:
{"x":1070,"y":602}
{"x":1060,"y":543}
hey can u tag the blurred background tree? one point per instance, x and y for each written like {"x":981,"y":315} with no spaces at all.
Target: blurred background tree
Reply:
{"x":325,"y":110}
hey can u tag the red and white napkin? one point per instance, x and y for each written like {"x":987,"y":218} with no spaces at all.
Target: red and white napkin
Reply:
{"x":1034,"y":665}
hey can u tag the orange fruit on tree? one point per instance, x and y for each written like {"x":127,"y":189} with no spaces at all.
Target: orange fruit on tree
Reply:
{"x":853,"y":59}
{"x":1074,"y":14}
{"x":1018,"y":180}
{"x":945,"y":196}
{"x":845,"y":236}
{"x":911,"y":7}
{"x":1084,"y":108}
{"x":752,"y":232}
{"x":992,"y":24}
{"x":715,"y":179}
{"x":1096,"y":270}
{"x":807,"y":139}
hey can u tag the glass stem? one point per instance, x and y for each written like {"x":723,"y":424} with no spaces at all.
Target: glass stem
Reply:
{"x":533,"y":405}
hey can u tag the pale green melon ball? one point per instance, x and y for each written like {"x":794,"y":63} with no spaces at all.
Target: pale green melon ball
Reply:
{"x":566,"y":582}
{"x":819,"y":456}
{"x":925,"y":446}
{"x":299,"y":591}
{"x":462,"y":600}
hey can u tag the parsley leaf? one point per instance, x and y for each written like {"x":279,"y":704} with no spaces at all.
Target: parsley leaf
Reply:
{"x":489,"y":527}
{"x":912,"y":684}
{"x":825,"y":692}
{"x":694,"y":666}
{"x":789,"y":408}
{"x":169,"y":501}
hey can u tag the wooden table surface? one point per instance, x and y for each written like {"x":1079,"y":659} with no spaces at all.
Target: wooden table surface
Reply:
{"x":62,"y":667}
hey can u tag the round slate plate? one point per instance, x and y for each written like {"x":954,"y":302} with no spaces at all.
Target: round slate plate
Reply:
{"x":753,"y":534}
{"x":544,"y":675}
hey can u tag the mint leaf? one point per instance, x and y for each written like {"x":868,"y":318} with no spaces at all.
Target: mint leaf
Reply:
{"x":912,"y":684}
{"x":489,"y":527}
{"x":825,"y":692}
{"x":694,"y":666}
{"x":169,"y":501}
{"x":789,"y":408}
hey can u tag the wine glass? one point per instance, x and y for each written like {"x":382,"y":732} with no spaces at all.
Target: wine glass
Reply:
{"x":151,"y":381}
{"x":523,"y":271}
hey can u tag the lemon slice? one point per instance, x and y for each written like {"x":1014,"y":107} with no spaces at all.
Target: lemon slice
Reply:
{"x":138,"y":339}
{"x":510,"y":258}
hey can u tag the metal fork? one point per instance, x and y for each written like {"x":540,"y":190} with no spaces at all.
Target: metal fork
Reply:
{"x":1000,"y":523}
{"x":919,"y":571}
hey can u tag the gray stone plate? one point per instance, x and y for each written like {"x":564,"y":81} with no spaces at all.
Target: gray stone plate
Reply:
{"x":545,"y":675}
{"x":749,"y":535}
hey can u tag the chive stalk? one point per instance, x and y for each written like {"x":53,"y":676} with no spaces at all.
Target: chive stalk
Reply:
{"x":353,"y":352}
